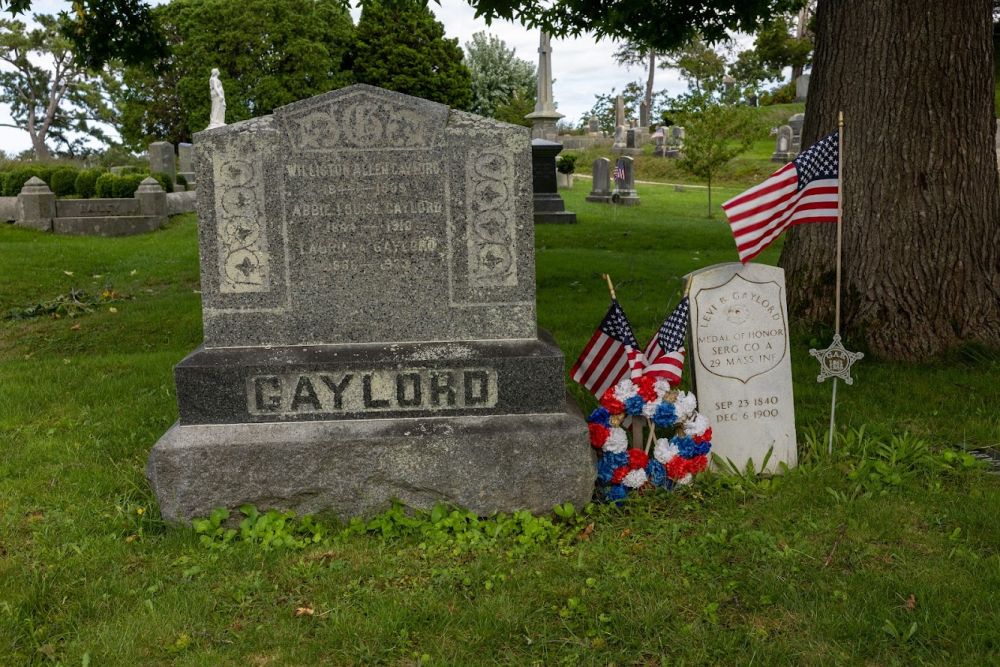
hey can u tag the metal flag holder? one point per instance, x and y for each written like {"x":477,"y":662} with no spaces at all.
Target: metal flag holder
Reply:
{"x":835,"y":361}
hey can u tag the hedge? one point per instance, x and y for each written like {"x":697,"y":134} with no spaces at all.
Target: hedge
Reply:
{"x":64,"y":181}
{"x":86,"y":182}
{"x":110,"y":186}
{"x":16,"y":178}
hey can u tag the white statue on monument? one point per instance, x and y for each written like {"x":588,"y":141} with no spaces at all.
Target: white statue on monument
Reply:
{"x":218,"y":117}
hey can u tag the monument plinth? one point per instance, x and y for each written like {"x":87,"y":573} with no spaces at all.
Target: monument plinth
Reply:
{"x":368,"y":288}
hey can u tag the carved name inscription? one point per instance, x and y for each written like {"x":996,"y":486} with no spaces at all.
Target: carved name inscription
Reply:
{"x":372,"y":391}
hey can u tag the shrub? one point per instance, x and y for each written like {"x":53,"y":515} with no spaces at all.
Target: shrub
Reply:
{"x":64,"y":181}
{"x":110,"y":186}
{"x":16,"y":178}
{"x":182,"y":180}
{"x":3,"y":183}
{"x":782,"y":95}
{"x":566,"y":164}
{"x":86,"y":182}
{"x":164,"y":181}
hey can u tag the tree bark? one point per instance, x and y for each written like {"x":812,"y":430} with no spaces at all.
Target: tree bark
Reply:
{"x":920,"y":189}
{"x":649,"y":82}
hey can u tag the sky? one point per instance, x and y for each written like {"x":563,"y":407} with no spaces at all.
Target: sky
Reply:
{"x":581,"y":67}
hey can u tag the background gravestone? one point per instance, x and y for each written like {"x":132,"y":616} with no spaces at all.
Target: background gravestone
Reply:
{"x":161,"y":159}
{"x":625,"y":192}
{"x":796,"y":122}
{"x":548,"y":204}
{"x":600,"y":192}
{"x":741,"y":360}
{"x":185,"y":162}
{"x":783,"y":145}
{"x":368,"y":288}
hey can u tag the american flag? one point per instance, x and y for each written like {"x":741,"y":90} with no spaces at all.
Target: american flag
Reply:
{"x":804,"y":190}
{"x":665,"y":351}
{"x":611,"y":352}
{"x":619,"y":171}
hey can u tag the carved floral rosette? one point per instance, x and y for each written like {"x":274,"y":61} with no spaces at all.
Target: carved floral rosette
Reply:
{"x":680,"y":453}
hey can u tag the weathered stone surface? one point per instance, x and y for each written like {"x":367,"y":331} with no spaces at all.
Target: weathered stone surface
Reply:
{"x":802,"y":88}
{"x":181,"y":202}
{"x":783,"y":145}
{"x":161,"y":159}
{"x":36,"y":205}
{"x":549,"y":206}
{"x":121,"y":225}
{"x":185,"y":157}
{"x":89,"y":208}
{"x":487,"y":464}
{"x":741,"y":360}
{"x":364,"y":216}
{"x":367,"y":263}
{"x":600,"y":192}
{"x":8,"y":209}
{"x":625,"y":193}
{"x":796,"y":122}
{"x":336,"y":382}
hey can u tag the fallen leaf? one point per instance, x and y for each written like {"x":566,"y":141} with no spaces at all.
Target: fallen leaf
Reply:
{"x":112,"y":309}
{"x":37,"y":515}
{"x":911,"y":602}
{"x":96,"y":276}
{"x":585,"y":533}
{"x":68,"y":273}
{"x":304,"y":611}
{"x":131,"y":538}
{"x":626,"y":533}
{"x":133,"y":272}
{"x":75,"y":327}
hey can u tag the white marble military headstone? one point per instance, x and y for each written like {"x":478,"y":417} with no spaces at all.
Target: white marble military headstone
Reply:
{"x":741,"y":361}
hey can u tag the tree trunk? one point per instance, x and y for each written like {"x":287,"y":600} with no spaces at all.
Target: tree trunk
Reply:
{"x":921,"y":194}
{"x":41,"y":150}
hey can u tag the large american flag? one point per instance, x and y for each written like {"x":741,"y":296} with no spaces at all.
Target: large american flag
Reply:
{"x":804,"y":190}
{"x":665,"y":351}
{"x":611,"y":352}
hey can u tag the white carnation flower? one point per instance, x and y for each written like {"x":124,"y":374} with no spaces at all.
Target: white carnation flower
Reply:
{"x":685,"y":404}
{"x":661,"y":386}
{"x":625,"y":389}
{"x":696,"y":426}
{"x":635,"y":478}
{"x":649,"y":409}
{"x":686,"y":479}
{"x":664,"y":450}
{"x":617,"y":442}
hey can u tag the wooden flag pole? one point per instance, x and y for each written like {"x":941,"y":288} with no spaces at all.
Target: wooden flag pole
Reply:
{"x":840,"y":245}
{"x":636,"y":424}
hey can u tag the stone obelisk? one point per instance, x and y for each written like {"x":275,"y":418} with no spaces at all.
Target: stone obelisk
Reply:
{"x":544,"y":117}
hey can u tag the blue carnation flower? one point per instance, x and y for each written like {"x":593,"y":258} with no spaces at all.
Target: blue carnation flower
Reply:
{"x":605,"y":469}
{"x":600,"y":416}
{"x":656,"y":472}
{"x":685,"y":446}
{"x":617,"y":459}
{"x":665,"y":415}
{"x":702,"y":448}
{"x":615,"y":492}
{"x":634,"y":405}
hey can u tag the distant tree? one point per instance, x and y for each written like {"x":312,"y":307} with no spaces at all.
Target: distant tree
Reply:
{"x":699,"y":64}
{"x":401,"y":46}
{"x":604,"y":106}
{"x":269,"y":53}
{"x":62,"y":103}
{"x":515,"y":110}
{"x":785,"y":42}
{"x":716,"y":129}
{"x":750,"y":73}
{"x":498,"y":75}
{"x":633,"y":53}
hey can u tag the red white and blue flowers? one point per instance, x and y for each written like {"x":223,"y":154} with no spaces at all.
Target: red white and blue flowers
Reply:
{"x":677,"y":446}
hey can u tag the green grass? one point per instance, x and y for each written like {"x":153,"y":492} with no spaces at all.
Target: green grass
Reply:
{"x":816,"y":567}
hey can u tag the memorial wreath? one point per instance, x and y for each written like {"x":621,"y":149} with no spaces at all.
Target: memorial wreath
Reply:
{"x":680,"y":438}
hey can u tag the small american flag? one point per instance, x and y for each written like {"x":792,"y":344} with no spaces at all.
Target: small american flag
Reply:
{"x":611,"y":352}
{"x":804,"y":190}
{"x":619,"y":171}
{"x":665,"y":351}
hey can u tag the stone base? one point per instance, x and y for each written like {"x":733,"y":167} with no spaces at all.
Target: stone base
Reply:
{"x":625,"y":198}
{"x":555,"y":217}
{"x":782,"y":158}
{"x":488,"y":464}
{"x":107,"y":226}
{"x":599,"y":199}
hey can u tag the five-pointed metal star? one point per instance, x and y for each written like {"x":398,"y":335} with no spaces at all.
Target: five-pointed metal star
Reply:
{"x":835,"y":361}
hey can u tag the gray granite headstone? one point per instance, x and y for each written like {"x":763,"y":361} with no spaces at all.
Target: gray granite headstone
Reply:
{"x":161,"y":159}
{"x":594,"y":125}
{"x":630,"y":138}
{"x":802,"y":88}
{"x":368,"y":297}
{"x":36,"y":205}
{"x":783,"y":145}
{"x":600,"y":192}
{"x":741,"y":359}
{"x":796,"y":122}
{"x":620,"y":139}
{"x":548,"y":204}
{"x":185,"y":162}
{"x":625,"y":192}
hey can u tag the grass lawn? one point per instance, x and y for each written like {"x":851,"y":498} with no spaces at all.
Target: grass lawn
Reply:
{"x":886,"y":553}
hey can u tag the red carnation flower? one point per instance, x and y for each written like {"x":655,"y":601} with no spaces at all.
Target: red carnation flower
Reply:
{"x":637,"y":459}
{"x":612,"y":404}
{"x":704,"y":437}
{"x":646,"y":388}
{"x":598,"y":434}
{"x":697,"y":464}
{"x":676,"y":467}
{"x":618,"y":476}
